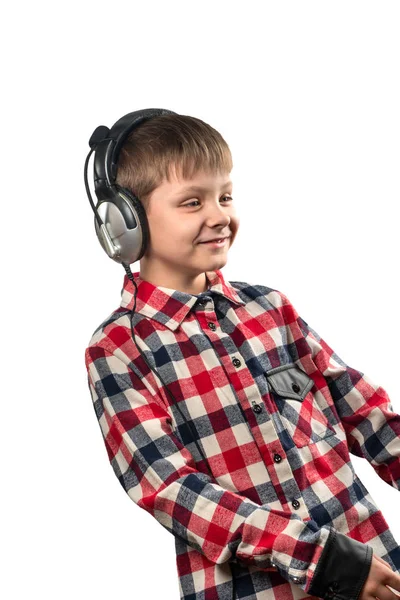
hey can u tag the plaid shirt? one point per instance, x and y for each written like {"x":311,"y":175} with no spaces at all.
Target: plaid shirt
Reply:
{"x":277,"y":414}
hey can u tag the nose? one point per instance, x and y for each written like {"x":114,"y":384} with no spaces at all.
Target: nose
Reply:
{"x":216,"y":215}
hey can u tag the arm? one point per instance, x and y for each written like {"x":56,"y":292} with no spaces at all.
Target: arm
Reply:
{"x":364,"y":407}
{"x":160,"y":476}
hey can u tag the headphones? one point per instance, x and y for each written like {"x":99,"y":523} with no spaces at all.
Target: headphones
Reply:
{"x":120,"y":219}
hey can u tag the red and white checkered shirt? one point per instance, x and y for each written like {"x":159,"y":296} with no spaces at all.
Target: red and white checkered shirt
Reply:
{"x":276,"y":413}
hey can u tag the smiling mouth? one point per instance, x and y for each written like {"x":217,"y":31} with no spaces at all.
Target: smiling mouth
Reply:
{"x":218,"y":240}
{"x":216,"y":243}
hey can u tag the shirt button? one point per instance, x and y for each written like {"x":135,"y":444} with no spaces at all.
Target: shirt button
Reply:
{"x":332,"y":588}
{"x":212,"y":326}
{"x":203,"y":300}
{"x":277,"y":457}
{"x":257,"y":408}
{"x":295,"y":504}
{"x":295,"y":387}
{"x":236,"y":362}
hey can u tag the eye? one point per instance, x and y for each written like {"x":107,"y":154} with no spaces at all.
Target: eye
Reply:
{"x":223,"y":197}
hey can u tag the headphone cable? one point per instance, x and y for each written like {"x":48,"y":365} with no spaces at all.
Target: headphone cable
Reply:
{"x":193,"y":435}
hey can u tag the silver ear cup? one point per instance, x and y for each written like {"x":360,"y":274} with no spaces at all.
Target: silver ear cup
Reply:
{"x":126,"y":240}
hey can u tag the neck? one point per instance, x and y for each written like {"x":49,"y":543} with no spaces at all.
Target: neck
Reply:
{"x":173,"y":279}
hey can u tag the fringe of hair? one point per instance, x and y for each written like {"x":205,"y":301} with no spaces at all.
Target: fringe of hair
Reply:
{"x":181,"y":143}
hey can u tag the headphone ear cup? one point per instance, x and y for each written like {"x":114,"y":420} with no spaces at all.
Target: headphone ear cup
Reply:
{"x":125,"y":219}
{"x":140,"y":214}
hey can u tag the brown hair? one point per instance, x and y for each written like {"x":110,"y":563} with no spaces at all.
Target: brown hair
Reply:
{"x":187,"y":143}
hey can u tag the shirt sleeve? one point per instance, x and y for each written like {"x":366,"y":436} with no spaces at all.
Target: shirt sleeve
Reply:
{"x":364,"y":408}
{"x":159,"y":474}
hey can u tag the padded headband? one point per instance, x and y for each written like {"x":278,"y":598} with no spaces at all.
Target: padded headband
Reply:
{"x":109,"y":143}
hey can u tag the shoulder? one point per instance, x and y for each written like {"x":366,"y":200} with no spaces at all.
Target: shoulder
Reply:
{"x":100,"y":334}
{"x":112,"y":351}
{"x":261,"y":298}
{"x":259,"y":293}
{"x":113,"y":337}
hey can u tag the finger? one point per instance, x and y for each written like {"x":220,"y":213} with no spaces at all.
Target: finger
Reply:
{"x":396,"y":592}
{"x":384,"y":593}
{"x":383,"y":561}
{"x":392,"y":578}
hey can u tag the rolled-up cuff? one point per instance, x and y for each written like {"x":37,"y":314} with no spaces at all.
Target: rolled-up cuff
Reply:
{"x":342,"y":568}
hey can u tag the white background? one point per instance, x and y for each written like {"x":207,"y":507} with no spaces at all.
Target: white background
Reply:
{"x":307,"y":96}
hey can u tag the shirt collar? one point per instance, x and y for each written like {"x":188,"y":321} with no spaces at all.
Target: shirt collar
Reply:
{"x":169,"y":306}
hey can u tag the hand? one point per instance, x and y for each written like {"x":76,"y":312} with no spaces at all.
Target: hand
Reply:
{"x":379,"y":577}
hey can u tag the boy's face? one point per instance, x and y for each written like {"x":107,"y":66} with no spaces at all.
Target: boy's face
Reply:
{"x":180,"y":219}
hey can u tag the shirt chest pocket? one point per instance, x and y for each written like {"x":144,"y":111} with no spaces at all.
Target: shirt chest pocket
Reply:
{"x":297,"y":406}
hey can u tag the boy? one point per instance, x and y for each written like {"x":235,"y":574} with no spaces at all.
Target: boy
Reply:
{"x":270,"y":506}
